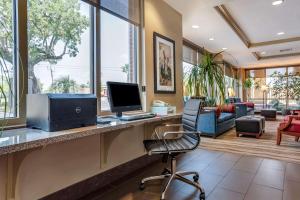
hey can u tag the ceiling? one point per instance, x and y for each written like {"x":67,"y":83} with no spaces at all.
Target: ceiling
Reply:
{"x":257,"y":20}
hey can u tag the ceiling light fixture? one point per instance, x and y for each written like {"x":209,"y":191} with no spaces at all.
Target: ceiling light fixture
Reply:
{"x":263,"y":53}
{"x":195,"y":26}
{"x":224,"y":48}
{"x":281,"y":33}
{"x":277,"y":2}
{"x":211,"y":39}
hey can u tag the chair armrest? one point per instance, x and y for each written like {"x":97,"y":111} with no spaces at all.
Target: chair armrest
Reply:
{"x":156,"y":130}
{"x":289,"y":122}
{"x":179,"y":132}
{"x":296,"y":117}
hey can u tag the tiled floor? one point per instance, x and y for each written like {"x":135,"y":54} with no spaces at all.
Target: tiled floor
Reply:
{"x":224,"y":176}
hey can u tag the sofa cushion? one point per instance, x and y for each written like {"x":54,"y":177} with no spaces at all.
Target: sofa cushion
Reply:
{"x":225,"y":116}
{"x":249,"y":104}
{"x":228,"y":108}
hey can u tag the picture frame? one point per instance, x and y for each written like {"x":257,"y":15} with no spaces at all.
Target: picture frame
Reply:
{"x":164,"y":64}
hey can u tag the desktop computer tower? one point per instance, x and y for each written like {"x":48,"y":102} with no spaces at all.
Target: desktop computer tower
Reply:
{"x":56,"y":112}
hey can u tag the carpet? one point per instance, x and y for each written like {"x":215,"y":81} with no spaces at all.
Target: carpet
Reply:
{"x":265,"y":146}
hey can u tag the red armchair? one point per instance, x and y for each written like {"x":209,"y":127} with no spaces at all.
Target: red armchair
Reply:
{"x":296,"y":112}
{"x":290,"y":126}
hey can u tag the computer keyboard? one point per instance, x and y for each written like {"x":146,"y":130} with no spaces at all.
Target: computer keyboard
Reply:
{"x":137,"y":116}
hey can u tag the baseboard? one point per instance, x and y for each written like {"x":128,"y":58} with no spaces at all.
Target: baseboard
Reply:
{"x":103,"y":180}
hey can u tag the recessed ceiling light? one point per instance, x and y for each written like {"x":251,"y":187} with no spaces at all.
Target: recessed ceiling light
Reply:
{"x":224,"y":48}
{"x":195,"y":26}
{"x":281,"y":33}
{"x":211,"y":39}
{"x":263,"y":53}
{"x":277,"y":2}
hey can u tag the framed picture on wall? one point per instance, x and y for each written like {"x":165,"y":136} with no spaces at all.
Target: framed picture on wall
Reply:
{"x":164,"y":64}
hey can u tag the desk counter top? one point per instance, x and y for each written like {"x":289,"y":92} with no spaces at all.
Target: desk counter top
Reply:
{"x":25,"y":138}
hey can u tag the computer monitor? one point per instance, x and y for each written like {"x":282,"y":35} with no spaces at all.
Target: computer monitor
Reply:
{"x":123,"y":97}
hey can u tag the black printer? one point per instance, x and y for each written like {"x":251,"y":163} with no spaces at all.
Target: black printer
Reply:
{"x":56,"y":112}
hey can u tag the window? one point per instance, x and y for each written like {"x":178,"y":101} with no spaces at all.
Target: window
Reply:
{"x":294,"y":87}
{"x":118,"y":53}
{"x":59,"y":47}
{"x":231,"y":81}
{"x":255,"y":94}
{"x":190,"y":59}
{"x":276,"y":88}
{"x":276,"y":81}
{"x":187,"y":67}
{"x":8,"y":98}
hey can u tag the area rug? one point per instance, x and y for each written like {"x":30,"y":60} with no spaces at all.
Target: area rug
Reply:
{"x":265,"y":146}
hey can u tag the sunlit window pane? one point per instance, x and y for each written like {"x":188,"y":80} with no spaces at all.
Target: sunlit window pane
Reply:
{"x":8,"y":95}
{"x":59,"y":46}
{"x":118,"y":53}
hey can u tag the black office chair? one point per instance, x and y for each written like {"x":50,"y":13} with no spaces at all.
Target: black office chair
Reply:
{"x":187,"y":140}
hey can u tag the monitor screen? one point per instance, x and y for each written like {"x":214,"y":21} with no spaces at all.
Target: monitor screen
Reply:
{"x":123,"y":96}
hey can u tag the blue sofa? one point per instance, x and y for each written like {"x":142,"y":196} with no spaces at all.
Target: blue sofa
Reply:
{"x":210,"y":125}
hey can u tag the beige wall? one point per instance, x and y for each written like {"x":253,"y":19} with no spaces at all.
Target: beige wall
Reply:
{"x":163,"y":19}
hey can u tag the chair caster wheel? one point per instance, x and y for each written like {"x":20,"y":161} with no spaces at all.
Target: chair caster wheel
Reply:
{"x":202,"y":196}
{"x":196,"y":178}
{"x":142,"y":186}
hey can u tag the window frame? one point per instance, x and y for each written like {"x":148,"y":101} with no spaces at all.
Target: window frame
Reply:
{"x":21,"y":60}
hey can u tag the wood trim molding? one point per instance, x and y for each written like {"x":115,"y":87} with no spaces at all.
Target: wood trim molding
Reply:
{"x":225,"y":14}
{"x":194,"y":46}
{"x":256,"y":55}
{"x":222,"y":10}
{"x":267,"y":67}
{"x":272,"y":42}
{"x":274,"y":56}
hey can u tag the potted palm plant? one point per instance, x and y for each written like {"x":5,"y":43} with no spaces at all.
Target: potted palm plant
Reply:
{"x":207,"y":79}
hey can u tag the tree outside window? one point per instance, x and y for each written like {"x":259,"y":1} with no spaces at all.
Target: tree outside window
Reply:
{"x":58,"y":46}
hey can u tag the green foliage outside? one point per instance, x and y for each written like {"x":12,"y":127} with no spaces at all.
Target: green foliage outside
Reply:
{"x":125,"y":69}
{"x":6,"y":59}
{"x":286,"y":86}
{"x":54,"y":31}
{"x":64,"y":85}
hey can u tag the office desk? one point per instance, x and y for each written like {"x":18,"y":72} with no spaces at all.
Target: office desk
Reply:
{"x":28,"y":156}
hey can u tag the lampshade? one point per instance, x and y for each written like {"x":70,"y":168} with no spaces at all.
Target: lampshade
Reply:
{"x":264,"y":88}
{"x":231,"y":92}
